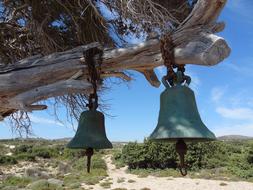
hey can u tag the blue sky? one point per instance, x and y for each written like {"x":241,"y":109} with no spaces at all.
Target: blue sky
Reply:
{"x":224,"y":92}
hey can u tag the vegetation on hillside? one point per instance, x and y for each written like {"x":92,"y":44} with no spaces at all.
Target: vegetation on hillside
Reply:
{"x":41,"y":165}
{"x":232,"y":159}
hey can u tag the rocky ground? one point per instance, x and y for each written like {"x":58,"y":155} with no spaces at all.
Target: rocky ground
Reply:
{"x":58,"y":174}
{"x":119,"y":179}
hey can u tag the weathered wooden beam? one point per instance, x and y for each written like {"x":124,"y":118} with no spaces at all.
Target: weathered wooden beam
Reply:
{"x":24,"y":101}
{"x":40,"y":77}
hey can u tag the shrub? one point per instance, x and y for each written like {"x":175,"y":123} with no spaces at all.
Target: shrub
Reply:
{"x":235,"y":157}
{"x":250,"y":155}
{"x":44,"y":185}
{"x":240,"y":167}
{"x":149,"y":155}
{"x":26,"y":157}
{"x":6,"y":160}
{"x":98,"y":163}
{"x":79,"y":174}
{"x":16,"y":181}
{"x":43,"y":152}
{"x":23,"y":149}
{"x":72,"y":153}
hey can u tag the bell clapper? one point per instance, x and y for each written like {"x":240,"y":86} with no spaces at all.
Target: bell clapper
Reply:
{"x":89,"y":153}
{"x":181,"y":149}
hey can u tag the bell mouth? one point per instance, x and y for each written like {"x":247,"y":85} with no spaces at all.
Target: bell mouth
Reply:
{"x":186,"y":139}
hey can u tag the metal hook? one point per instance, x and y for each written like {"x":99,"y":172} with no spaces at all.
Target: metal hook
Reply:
{"x":183,"y":173}
{"x":181,"y":149}
{"x":182,"y":166}
{"x":89,"y":153}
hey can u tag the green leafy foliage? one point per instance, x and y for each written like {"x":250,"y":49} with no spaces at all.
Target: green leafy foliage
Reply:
{"x":7,"y":160}
{"x":23,"y":148}
{"x":250,"y":155}
{"x":44,"y":185}
{"x":148,"y":155}
{"x":235,"y":157}
{"x":26,"y":157}
{"x":29,"y":152}
{"x":16,"y":181}
{"x":51,"y":154}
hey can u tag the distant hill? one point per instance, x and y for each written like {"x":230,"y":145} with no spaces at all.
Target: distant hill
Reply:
{"x":234,"y":137}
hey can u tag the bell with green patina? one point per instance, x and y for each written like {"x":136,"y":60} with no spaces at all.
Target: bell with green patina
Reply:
{"x":90,"y":132}
{"x":179,"y":117}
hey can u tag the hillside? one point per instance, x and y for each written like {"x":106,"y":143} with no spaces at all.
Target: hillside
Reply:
{"x":234,"y":137}
{"x":39,"y":164}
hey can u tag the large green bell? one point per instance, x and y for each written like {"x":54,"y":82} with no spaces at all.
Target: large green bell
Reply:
{"x":90,"y":132}
{"x":179,"y":117}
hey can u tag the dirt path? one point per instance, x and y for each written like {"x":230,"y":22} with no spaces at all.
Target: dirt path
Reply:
{"x":120,"y":179}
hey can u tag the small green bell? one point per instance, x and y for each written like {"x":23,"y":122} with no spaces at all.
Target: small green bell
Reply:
{"x":90,"y":134}
{"x":179,"y":120}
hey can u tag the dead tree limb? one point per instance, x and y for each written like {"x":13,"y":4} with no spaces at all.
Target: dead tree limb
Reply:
{"x":40,"y":77}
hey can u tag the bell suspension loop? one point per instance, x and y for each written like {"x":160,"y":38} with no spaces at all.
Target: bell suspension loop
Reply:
{"x":172,"y":78}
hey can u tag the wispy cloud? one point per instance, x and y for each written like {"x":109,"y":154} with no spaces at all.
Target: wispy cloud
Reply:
{"x":42,"y":120}
{"x":243,"y":67}
{"x":243,"y":8}
{"x":235,"y":113}
{"x":245,"y":129}
{"x":217,"y":93}
{"x":234,"y":107}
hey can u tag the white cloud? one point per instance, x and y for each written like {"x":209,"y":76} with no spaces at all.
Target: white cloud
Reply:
{"x":250,"y":102}
{"x":242,"y":8}
{"x":242,"y":68}
{"x":217,"y":93}
{"x":245,"y":129}
{"x":42,"y":120}
{"x":161,"y":70}
{"x":236,"y":113}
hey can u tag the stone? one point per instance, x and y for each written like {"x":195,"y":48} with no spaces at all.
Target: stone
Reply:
{"x":36,"y":172}
{"x":55,"y":181}
{"x":63,"y":168}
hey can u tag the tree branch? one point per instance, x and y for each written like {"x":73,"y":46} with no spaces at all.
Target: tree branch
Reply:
{"x":40,"y":77}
